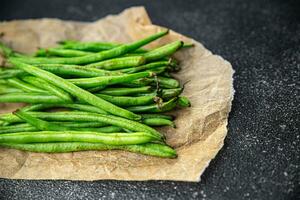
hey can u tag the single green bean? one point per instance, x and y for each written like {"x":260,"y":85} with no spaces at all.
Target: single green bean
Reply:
{"x":4,"y":89}
{"x":158,"y":122}
{"x":23,"y":86}
{"x":63,"y":70}
{"x":86,"y":117}
{"x":48,"y":87}
{"x":151,"y":149}
{"x":158,"y":70}
{"x":30,"y":98}
{"x":128,"y":101}
{"x":185,"y":45}
{"x":76,"y":91}
{"x":38,"y":123}
{"x":125,"y":91}
{"x":167,"y":82}
{"x":144,"y":67}
{"x":108,"y":80}
{"x":163,"y":51}
{"x":60,"y":52}
{"x":149,"y":116}
{"x":78,"y":136}
{"x":87,"y":46}
{"x":184,"y":101}
{"x":92,"y":46}
{"x":29,"y":128}
{"x":154,"y":108}
{"x":119,"y":63}
{"x":103,"y":55}
{"x":166,"y":94}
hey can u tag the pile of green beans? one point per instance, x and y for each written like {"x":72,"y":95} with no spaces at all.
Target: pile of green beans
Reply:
{"x":91,"y":96}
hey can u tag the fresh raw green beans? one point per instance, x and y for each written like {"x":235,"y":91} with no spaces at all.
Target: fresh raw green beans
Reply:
{"x":155,"y":108}
{"x":167,"y":82}
{"x":83,"y":126}
{"x":30,"y":98}
{"x":108,"y":80}
{"x":145,"y":67}
{"x":76,"y":91}
{"x":62,"y":70}
{"x":4,"y":89}
{"x":87,"y":46}
{"x":47,"y":126}
{"x":124,"y":101}
{"x":75,"y":106}
{"x":60,"y":52}
{"x":78,"y":136}
{"x":86,"y":117}
{"x":15,"y":82}
{"x":103,"y":55}
{"x":118,"y":63}
{"x":163,"y":51}
{"x":125,"y":91}
{"x":92,"y":46}
{"x":151,"y":149}
{"x":158,"y":122}
{"x":184,"y":102}
{"x":48,"y":87}
{"x":149,"y":116}
{"x":38,"y":123}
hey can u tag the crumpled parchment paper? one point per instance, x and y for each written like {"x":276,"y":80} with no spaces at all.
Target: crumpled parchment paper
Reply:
{"x":200,"y":130}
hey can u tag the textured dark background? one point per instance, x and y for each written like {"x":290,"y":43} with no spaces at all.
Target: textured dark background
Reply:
{"x":260,"y":159}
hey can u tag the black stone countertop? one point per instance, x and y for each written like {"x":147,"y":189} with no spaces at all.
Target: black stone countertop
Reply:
{"x":260,"y":159}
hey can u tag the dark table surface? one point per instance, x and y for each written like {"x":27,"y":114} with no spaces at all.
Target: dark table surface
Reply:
{"x":260,"y":158}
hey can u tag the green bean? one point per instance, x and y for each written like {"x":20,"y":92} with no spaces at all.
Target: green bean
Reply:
{"x":96,"y":89}
{"x":158,"y":122}
{"x":15,"y":129}
{"x":60,"y":52}
{"x":36,"y":107}
{"x":170,"y":93}
{"x":145,"y":67}
{"x":151,"y":149}
{"x":188,"y":45}
{"x":4,"y":89}
{"x":92,"y":46}
{"x":168,"y":82}
{"x":164,"y":82}
{"x":184,"y":102}
{"x":158,"y":70}
{"x":88,"y":46}
{"x":76,"y":126}
{"x":163,"y":51}
{"x":154,"y":108}
{"x":29,"y":98}
{"x":23,"y":86}
{"x":38,"y":123}
{"x":49,"y":87}
{"x":78,"y":136}
{"x":76,"y":91}
{"x":149,"y":116}
{"x":118,"y":63}
{"x":85,"y":116}
{"x":58,"y":69}
{"x":125,"y":91}
{"x":166,"y":94}
{"x":80,"y":107}
{"x":27,"y":127}
{"x":128,"y":101}
{"x":103,"y":55}
{"x":108,"y":80}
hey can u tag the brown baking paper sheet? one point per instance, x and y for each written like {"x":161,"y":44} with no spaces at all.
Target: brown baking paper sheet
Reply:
{"x":200,"y":130}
